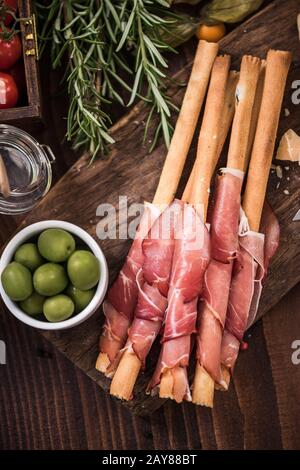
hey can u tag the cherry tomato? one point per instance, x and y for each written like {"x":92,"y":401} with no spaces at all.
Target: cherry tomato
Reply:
{"x":8,"y":91}
{"x":10,"y":5}
{"x":10,"y":51}
{"x":211,"y":33}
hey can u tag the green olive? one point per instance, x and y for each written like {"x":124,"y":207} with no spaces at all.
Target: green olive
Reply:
{"x":33,"y":305}
{"x":58,"y":308}
{"x":56,"y":245}
{"x":50,"y":279}
{"x":28,"y":255}
{"x":83,"y":269}
{"x":17,"y":281}
{"x":81,"y":298}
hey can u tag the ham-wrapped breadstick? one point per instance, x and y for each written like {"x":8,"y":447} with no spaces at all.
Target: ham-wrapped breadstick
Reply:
{"x":256,"y":248}
{"x":191,"y":254}
{"x":224,"y":240}
{"x":152,"y":300}
{"x":122,"y":296}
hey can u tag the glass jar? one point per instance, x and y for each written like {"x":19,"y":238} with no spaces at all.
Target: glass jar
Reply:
{"x":28,"y":167}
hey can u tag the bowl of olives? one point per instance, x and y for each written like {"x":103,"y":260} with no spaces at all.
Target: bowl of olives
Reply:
{"x":53,"y":275}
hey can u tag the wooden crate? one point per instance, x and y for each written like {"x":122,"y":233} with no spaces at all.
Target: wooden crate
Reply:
{"x":30,"y":113}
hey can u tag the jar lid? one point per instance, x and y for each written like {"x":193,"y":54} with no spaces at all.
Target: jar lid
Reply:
{"x":28,"y":168}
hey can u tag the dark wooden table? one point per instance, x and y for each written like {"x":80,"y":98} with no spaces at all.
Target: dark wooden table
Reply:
{"x":47,"y":403}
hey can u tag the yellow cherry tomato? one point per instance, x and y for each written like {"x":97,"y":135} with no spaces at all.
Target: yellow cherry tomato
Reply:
{"x":211,"y":33}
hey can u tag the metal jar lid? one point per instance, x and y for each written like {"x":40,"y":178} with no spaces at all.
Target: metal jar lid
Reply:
{"x":28,"y":168}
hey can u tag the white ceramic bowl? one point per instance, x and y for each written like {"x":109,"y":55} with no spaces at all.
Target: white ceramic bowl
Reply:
{"x":33,"y":230}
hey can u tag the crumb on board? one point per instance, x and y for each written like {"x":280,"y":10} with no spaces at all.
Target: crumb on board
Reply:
{"x":296,"y":217}
{"x":286,"y":191}
{"x":279,"y":172}
{"x":289,"y":147}
{"x":277,"y":185}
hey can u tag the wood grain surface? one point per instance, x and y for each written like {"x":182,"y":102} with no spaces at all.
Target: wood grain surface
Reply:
{"x":46,"y":402}
{"x":129,"y":171}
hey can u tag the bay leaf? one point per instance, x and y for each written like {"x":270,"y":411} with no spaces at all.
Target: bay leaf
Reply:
{"x":180,"y":31}
{"x":189,"y":2}
{"x":229,"y":11}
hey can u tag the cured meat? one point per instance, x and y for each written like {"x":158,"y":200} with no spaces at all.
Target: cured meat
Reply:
{"x":226,"y":212}
{"x":153,"y":283}
{"x":122,"y":296}
{"x":191,"y":258}
{"x":211,"y":319}
{"x":256,"y":250}
{"x":271,"y":229}
{"x":225,"y":246}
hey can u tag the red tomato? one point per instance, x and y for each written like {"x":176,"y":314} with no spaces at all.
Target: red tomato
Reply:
{"x":10,"y":51}
{"x":9,"y":94}
{"x":10,"y":5}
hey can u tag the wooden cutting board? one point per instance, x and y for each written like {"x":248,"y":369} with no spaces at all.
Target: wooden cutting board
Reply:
{"x":130,"y":171}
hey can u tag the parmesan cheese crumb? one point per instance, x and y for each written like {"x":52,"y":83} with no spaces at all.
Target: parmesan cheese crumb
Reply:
{"x":278,"y":184}
{"x":289,"y":147}
{"x":297,"y":216}
{"x":286,"y":112}
{"x":286,"y":191}
{"x":287,"y":168}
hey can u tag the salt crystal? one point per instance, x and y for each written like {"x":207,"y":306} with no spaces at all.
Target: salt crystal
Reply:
{"x":279,"y":171}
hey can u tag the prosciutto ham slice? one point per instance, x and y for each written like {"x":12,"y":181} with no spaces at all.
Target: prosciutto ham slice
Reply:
{"x":225,"y":246}
{"x":152,"y":282}
{"x":256,"y":250}
{"x":226,"y":213}
{"x":190,"y":261}
{"x":122,"y":296}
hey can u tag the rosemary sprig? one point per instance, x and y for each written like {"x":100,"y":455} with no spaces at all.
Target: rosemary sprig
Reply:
{"x":142,"y":31}
{"x":114,"y":49}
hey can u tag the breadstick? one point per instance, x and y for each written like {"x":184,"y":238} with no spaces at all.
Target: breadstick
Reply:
{"x":278,"y":63}
{"x":227,"y":116}
{"x":186,"y":122}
